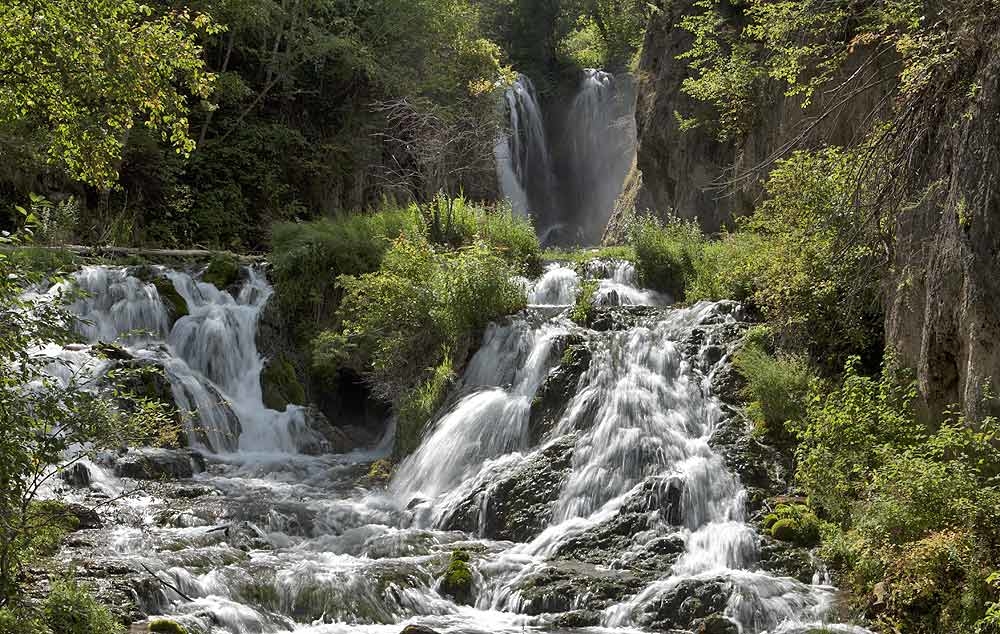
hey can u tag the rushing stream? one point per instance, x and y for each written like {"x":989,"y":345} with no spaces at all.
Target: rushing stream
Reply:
{"x":574,"y":465}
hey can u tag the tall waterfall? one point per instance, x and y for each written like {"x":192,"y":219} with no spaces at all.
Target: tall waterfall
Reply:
{"x":601,"y":140}
{"x":524,"y":167}
{"x":570,"y":184}
{"x":572,"y":465}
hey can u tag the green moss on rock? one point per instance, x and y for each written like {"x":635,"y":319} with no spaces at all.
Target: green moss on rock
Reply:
{"x":380,"y":471}
{"x":280,"y":386}
{"x":166,"y":626}
{"x":457,"y":581}
{"x":223,"y":271}
{"x":793,"y":523}
{"x":173,"y":300}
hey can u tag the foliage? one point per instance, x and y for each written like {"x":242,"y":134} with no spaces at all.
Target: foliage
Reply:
{"x":21,"y":622}
{"x":166,"y":626}
{"x":581,"y":257}
{"x":793,"y":523}
{"x":223,"y":270}
{"x":76,"y":75}
{"x":917,"y":505}
{"x":777,"y":388}
{"x":70,"y":609}
{"x":419,"y":405}
{"x":583,"y":309}
{"x":665,"y":254}
{"x":398,"y":321}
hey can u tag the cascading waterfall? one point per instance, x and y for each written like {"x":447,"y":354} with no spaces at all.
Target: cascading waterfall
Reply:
{"x":524,"y":167}
{"x":588,"y":498}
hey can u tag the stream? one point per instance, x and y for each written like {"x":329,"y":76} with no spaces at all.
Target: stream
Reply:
{"x":576,"y":467}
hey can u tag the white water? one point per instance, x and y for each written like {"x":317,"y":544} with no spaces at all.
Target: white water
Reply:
{"x":524,"y":167}
{"x":308,"y":546}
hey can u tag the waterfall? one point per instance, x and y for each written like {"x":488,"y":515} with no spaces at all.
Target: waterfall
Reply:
{"x":570,"y":187}
{"x":209,"y":356}
{"x":601,"y":146}
{"x":524,"y":169}
{"x":573,"y":465}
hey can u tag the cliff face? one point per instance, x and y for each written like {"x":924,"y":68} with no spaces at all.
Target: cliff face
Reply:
{"x":942,"y":289}
{"x":943,"y":293}
{"x":690,"y":172}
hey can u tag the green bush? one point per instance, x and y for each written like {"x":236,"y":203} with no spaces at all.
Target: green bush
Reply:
{"x":724,"y":268}
{"x":420,"y":404}
{"x":583,"y":309}
{"x":401,"y":323}
{"x":21,"y":622}
{"x":666,"y":253}
{"x":777,"y":388}
{"x":71,"y":609}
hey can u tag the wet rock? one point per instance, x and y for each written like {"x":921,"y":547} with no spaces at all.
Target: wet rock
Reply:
{"x":564,"y":586}
{"x":519,"y":504}
{"x":175,"y":303}
{"x":688,"y":605}
{"x":150,"y":463}
{"x":577,"y":618}
{"x":279,"y":384}
{"x":662,"y":494}
{"x":558,"y":389}
{"x":77,"y":475}
{"x":417,"y":629}
{"x":619,"y":317}
{"x":785,"y":560}
{"x":223,"y":271}
{"x":763,"y":470}
{"x":246,"y":537}
{"x":86,"y":517}
{"x":717,"y":624}
{"x":456,"y":581}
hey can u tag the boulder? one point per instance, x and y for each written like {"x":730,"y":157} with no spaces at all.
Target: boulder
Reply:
{"x":562,"y":586}
{"x":689,"y":605}
{"x":558,"y":389}
{"x":150,"y":463}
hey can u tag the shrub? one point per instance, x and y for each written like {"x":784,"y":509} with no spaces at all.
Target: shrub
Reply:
{"x":21,"y":622}
{"x":71,"y":609}
{"x":777,"y":388}
{"x":724,"y":268}
{"x":403,"y":321}
{"x":583,"y":309}
{"x":223,"y":270}
{"x":420,"y":404}
{"x":665,"y":254}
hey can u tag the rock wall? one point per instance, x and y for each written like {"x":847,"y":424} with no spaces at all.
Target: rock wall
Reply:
{"x":692,"y":173}
{"x":943,"y":292}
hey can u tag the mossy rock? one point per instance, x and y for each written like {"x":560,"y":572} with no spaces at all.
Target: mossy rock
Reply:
{"x":280,"y":386}
{"x":801,"y":533}
{"x":457,"y":581}
{"x":223,"y":271}
{"x":175,"y":303}
{"x":380,"y":472}
{"x":166,"y":626}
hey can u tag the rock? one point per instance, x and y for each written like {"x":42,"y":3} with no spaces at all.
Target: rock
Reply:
{"x":223,"y":271}
{"x":417,"y":629}
{"x":166,"y":626}
{"x":763,"y":470}
{"x":558,"y":389}
{"x":518,"y":503}
{"x":86,"y":517}
{"x":456,"y":581}
{"x":577,"y":618}
{"x":246,"y":536}
{"x":280,"y":386}
{"x":688,"y":605}
{"x":562,"y":586}
{"x":77,"y":475}
{"x":784,"y":559}
{"x":176,"y":304}
{"x":158,"y":464}
{"x":619,"y":317}
{"x":717,"y":624}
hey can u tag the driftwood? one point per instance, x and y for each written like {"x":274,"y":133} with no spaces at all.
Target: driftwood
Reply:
{"x":151,"y":253}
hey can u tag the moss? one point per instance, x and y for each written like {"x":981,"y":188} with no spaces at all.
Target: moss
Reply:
{"x":418,"y":406}
{"x":166,"y":626}
{"x":457,"y":580}
{"x":380,"y":471}
{"x":173,"y":300}
{"x":793,"y":523}
{"x":280,"y":385}
{"x":223,"y":271}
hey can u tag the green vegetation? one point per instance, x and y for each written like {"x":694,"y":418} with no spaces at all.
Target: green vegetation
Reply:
{"x":223,"y":271}
{"x":793,"y":523}
{"x":70,"y":609}
{"x":419,"y":405}
{"x":280,"y":386}
{"x":777,"y":388}
{"x":665,"y":254}
{"x":583,"y":309}
{"x":581,"y":257}
{"x":175,"y":302}
{"x":166,"y":626}
{"x":456,"y":581}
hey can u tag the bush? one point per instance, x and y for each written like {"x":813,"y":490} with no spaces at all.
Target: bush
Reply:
{"x":583,"y":309}
{"x":666,"y":253}
{"x":777,"y":389}
{"x":70,"y":609}
{"x":406,"y":319}
{"x":724,"y":268}
{"x":420,"y":404}
{"x":21,"y":622}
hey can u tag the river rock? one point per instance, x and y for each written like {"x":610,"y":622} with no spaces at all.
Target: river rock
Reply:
{"x":562,"y":585}
{"x":86,"y":517}
{"x":763,"y":470}
{"x":417,"y":629}
{"x":150,"y":463}
{"x":518,"y":505}
{"x":784,"y":559}
{"x":689,"y":605}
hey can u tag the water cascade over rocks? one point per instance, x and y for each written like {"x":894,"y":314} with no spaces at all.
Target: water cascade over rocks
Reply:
{"x":571,"y":471}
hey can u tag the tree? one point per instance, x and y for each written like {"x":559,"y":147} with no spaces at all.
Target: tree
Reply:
{"x":76,"y":76}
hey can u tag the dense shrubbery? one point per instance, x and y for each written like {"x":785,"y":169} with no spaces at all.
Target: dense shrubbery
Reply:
{"x":777,"y":388}
{"x":665,"y":255}
{"x":404,"y":326}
